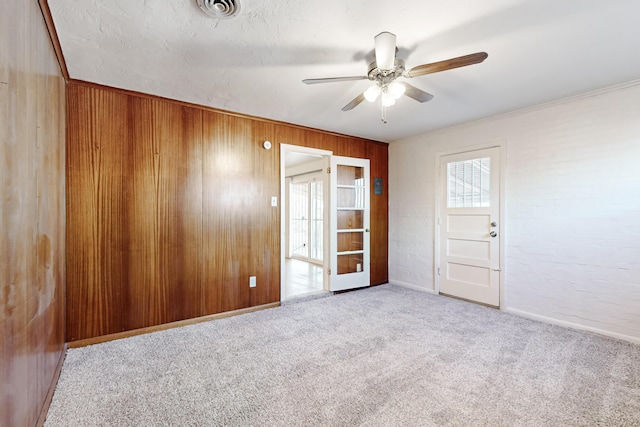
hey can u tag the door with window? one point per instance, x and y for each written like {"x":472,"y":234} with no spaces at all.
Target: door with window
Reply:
{"x":349,"y":224}
{"x":469,"y":223}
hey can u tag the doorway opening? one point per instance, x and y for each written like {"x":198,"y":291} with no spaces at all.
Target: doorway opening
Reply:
{"x":325,"y":220}
{"x":304,"y":220}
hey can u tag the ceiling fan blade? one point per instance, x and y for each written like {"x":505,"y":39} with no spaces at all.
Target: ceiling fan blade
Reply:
{"x":415,"y":93}
{"x":333,"y":79}
{"x":448,"y":64}
{"x":354,"y":103}
{"x":385,"y":50}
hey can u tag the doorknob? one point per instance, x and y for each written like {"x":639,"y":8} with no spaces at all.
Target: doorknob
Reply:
{"x":493,"y":234}
{"x":494,"y":224}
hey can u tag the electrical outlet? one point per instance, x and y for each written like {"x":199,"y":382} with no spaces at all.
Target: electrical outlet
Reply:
{"x":252,"y":281}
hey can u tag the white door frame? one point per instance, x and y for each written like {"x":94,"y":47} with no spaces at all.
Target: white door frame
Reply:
{"x":301,"y":150}
{"x":502,"y":145}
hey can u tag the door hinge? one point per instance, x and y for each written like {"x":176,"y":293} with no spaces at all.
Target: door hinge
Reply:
{"x":438,"y":271}
{"x":329,"y":271}
{"x":329,"y":170}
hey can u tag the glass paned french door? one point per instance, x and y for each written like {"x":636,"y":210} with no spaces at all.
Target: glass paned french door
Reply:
{"x":349,"y":223}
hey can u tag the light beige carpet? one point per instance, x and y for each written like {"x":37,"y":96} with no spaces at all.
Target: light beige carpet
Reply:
{"x":384,"y":356}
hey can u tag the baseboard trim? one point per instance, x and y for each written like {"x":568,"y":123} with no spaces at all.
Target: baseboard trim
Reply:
{"x":412,"y":287}
{"x":52,"y":387}
{"x":165,"y":326}
{"x":572,"y":325}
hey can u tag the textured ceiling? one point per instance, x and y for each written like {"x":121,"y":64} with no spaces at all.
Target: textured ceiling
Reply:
{"x":539,"y":51}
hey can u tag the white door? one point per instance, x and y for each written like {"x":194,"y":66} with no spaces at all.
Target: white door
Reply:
{"x":470,"y":226}
{"x":349,"y":223}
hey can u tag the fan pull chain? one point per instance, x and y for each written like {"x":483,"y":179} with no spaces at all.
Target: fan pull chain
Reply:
{"x":384,"y":114}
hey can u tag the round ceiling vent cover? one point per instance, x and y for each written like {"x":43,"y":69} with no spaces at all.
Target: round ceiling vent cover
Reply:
{"x":221,"y":9}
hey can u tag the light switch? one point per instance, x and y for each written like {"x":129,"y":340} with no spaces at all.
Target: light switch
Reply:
{"x":274,"y":201}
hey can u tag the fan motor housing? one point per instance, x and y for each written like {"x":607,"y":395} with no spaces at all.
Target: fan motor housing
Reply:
{"x":386,"y":76}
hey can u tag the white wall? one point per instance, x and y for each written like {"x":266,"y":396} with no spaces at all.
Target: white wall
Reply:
{"x":572,"y":209}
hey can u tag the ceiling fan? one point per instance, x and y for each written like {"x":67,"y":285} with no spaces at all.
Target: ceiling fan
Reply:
{"x":387,"y":68}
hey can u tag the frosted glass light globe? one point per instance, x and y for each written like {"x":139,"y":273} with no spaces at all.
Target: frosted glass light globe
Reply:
{"x":372,"y":93}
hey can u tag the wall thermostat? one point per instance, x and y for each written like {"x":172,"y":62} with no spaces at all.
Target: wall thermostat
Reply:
{"x":266,"y":145}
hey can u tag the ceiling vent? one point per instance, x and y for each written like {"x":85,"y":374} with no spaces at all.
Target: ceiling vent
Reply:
{"x":221,"y":9}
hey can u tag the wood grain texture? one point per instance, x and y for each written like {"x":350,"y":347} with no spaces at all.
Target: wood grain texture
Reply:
{"x":169,"y":209}
{"x":97,"y":140}
{"x":32,"y":275}
{"x":241,"y":229}
{"x":265,"y":223}
{"x":163,"y":213}
{"x":134,"y":208}
{"x":379,"y":163}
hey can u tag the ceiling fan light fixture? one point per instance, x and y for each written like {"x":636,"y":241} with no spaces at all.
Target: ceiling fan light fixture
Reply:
{"x":387,"y":99}
{"x":385,"y":48}
{"x":372,"y":93}
{"x":387,"y":68}
{"x":396,"y":89}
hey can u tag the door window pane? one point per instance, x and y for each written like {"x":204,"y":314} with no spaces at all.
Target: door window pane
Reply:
{"x":350,"y":197}
{"x":349,"y":219}
{"x":350,"y":175}
{"x":351,"y":263}
{"x":350,"y":241}
{"x":468,"y":183}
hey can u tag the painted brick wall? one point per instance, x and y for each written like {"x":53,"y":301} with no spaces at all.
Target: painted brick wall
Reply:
{"x":572,"y":209}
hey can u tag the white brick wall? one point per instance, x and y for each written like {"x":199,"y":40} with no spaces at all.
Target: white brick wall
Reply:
{"x":572,"y":209}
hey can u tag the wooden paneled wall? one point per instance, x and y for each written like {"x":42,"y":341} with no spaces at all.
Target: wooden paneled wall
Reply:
{"x":169,"y":213}
{"x":32,"y":186}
